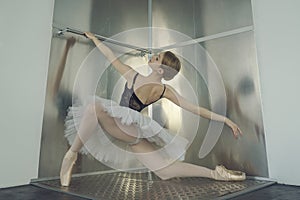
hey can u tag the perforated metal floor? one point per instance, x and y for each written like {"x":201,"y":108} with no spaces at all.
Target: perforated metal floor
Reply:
{"x":127,"y":186}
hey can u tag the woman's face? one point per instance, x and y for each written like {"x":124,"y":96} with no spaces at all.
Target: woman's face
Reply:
{"x":156,"y":61}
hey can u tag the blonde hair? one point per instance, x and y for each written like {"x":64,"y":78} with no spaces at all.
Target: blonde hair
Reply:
{"x":170,"y":64}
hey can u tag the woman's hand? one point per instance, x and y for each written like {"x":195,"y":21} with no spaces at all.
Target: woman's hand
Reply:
{"x":235,"y":129}
{"x":90,"y":35}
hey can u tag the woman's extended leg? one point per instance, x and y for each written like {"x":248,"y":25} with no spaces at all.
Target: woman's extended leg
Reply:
{"x":180,"y":169}
{"x":166,"y":170}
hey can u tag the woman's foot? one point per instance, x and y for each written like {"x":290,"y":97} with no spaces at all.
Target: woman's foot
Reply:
{"x":223,"y":174}
{"x":66,"y":167}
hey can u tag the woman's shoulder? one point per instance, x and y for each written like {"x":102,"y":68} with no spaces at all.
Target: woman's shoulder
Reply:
{"x":158,"y":89}
{"x":169,"y":91}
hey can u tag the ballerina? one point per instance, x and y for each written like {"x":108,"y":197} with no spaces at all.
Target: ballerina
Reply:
{"x":142,"y":139}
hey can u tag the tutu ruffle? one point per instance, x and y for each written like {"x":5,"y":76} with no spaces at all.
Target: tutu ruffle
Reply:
{"x":115,"y":153}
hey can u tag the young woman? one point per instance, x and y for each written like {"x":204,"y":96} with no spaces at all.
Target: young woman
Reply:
{"x":141,"y":136}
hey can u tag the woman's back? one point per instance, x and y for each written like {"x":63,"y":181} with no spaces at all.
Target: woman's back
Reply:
{"x":140,"y":93}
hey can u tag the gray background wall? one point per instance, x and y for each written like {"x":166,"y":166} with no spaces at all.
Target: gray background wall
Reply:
{"x":23,"y":72}
{"x":277,"y":30}
{"x":24,"y":57}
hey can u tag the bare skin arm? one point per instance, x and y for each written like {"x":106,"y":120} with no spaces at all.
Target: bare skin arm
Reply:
{"x":125,"y":70}
{"x":173,"y":96}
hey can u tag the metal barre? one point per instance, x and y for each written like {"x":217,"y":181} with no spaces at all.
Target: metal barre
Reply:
{"x":172,"y":46}
{"x":102,"y":38}
{"x":207,"y":38}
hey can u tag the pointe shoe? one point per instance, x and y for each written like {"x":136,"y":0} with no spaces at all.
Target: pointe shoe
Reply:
{"x":66,"y":168}
{"x":223,"y":174}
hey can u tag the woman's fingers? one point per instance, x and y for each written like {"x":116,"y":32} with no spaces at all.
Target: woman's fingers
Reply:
{"x":240,"y":131}
{"x":236,"y":131}
{"x":89,"y":35}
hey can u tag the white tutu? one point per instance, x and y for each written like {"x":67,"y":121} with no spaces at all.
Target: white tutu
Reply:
{"x":115,"y":153}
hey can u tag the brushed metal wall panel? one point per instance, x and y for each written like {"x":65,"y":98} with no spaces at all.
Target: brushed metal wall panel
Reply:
{"x":176,"y":15}
{"x":110,"y":17}
{"x":72,"y":13}
{"x":235,"y":56}
{"x":215,"y":16}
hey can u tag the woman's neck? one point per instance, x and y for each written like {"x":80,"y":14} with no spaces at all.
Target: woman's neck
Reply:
{"x":154,"y":77}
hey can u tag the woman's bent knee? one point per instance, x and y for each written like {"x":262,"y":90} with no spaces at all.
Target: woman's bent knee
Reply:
{"x":95,"y":109}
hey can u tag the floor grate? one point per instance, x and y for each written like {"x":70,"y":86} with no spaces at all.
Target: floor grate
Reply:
{"x":129,"y":186}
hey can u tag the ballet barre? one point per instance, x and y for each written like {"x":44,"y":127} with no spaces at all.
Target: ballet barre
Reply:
{"x":102,"y":38}
{"x":207,"y":38}
{"x":144,"y":51}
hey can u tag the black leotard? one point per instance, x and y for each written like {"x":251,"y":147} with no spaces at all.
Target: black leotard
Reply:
{"x":129,"y":98}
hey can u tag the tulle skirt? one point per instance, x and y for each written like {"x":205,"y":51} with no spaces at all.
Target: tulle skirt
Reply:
{"x":115,"y":153}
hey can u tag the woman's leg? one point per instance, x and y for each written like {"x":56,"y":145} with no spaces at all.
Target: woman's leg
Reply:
{"x":93,"y":115}
{"x":86,"y":128}
{"x":165,"y":170}
{"x":113,"y":126}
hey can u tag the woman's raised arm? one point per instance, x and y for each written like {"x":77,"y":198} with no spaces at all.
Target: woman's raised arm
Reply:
{"x":172,"y":95}
{"x":125,"y":70}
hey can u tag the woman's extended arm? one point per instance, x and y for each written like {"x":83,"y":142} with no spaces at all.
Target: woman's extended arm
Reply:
{"x":173,"y":96}
{"x":122,"y":68}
